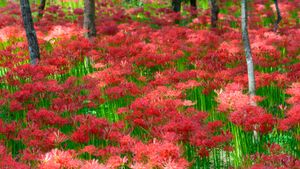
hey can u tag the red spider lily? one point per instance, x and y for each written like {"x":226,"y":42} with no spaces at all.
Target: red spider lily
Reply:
{"x":294,"y":71}
{"x":203,"y":152}
{"x":22,"y":95}
{"x":59,"y":159}
{"x":295,"y":92}
{"x":15,"y":106}
{"x":126,"y":142}
{"x":276,"y":159}
{"x":116,"y":161}
{"x":90,"y":125}
{"x":78,"y":11}
{"x":187,"y":85}
{"x":253,"y":118}
{"x":28,"y":71}
{"x":8,"y":129}
{"x":94,"y":164}
{"x":158,"y":154}
{"x":81,"y":135}
{"x":30,"y":154}
{"x":6,"y":161}
{"x":108,"y":28}
{"x":65,"y":104}
{"x":89,"y":149}
{"x":292,"y":119}
{"x":232,"y":98}
{"x":212,"y":126}
{"x":250,"y":117}
{"x":45,"y":117}
{"x":57,"y":137}
{"x":34,"y":137}
{"x":292,"y":115}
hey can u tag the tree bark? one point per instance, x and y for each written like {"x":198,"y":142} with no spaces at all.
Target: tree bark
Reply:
{"x":89,"y":18}
{"x":176,"y":5}
{"x":193,"y":8}
{"x":278,"y":16}
{"x":246,"y":42}
{"x":193,"y":4}
{"x":41,"y":8}
{"x":214,"y":13}
{"x":30,"y":32}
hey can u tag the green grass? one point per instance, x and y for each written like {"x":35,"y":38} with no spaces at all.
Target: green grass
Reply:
{"x":204,"y":4}
{"x":3,"y":3}
{"x":244,"y":143}
{"x":2,"y":71}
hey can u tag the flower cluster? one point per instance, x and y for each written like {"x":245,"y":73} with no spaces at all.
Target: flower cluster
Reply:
{"x":292,"y":115}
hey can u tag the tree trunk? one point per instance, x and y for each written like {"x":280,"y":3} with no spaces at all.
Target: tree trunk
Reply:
{"x":30,"y":32}
{"x":214,"y":13}
{"x":193,"y":8}
{"x":193,"y":4}
{"x":176,"y":5}
{"x":250,"y":67}
{"x":278,"y":16}
{"x":41,"y":8}
{"x":89,"y":18}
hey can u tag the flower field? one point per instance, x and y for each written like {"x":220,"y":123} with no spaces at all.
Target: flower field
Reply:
{"x":153,"y":90}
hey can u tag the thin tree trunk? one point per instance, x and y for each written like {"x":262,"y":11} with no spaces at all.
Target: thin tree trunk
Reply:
{"x":250,"y":67}
{"x":278,"y":16}
{"x":176,"y":5}
{"x":193,"y":4}
{"x":193,"y":8}
{"x":214,"y":13}
{"x":41,"y":8}
{"x":89,"y":18}
{"x":30,"y":32}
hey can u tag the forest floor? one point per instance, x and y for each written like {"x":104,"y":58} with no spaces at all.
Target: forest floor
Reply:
{"x":153,"y":89}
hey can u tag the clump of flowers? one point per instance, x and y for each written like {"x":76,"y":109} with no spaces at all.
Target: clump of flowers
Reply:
{"x":6,"y":160}
{"x":232,"y":98}
{"x":56,"y":159}
{"x":276,"y":159}
{"x":242,"y":113}
{"x":293,"y":114}
{"x":158,"y":155}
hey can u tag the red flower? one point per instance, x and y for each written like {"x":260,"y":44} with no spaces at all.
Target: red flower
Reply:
{"x":253,"y":118}
{"x":81,"y":135}
{"x":203,"y":152}
{"x":15,"y":106}
{"x":78,"y":11}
